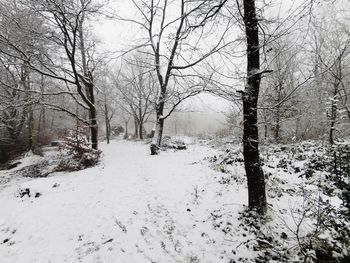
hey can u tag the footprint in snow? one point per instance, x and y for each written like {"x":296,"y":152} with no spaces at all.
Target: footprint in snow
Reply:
{"x":10,"y":233}
{"x":121,"y":225}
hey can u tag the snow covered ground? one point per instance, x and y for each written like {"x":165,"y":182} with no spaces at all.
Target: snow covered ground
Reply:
{"x":133,"y":207}
{"x":180,"y":206}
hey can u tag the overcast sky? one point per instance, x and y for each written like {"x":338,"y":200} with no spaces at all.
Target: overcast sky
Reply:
{"x":116,"y":36}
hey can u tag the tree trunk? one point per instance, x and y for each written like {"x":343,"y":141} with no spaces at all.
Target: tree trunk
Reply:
{"x":126,"y":130}
{"x":255,"y":175}
{"x":331,"y":132}
{"x":278,"y":126}
{"x":93,"y":129}
{"x":30,"y":117}
{"x":278,"y":112}
{"x":159,"y":125}
{"x":108,"y":126}
{"x":136,"y":128}
{"x":13,"y":135}
{"x":297,"y":124}
{"x":141,"y":130}
{"x":159,"y":131}
{"x":92,"y":116}
{"x":333,"y":118}
{"x":31,"y":127}
{"x":265,"y":125}
{"x":334,"y":104}
{"x":89,"y":88}
{"x":140,"y":119}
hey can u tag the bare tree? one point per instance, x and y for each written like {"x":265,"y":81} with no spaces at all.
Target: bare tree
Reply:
{"x":137,"y":88}
{"x":174,"y":37}
{"x":278,"y":104}
{"x":250,"y":96}
{"x":64,"y":30}
{"x":14,"y":101}
{"x":333,"y":56}
{"x":107,"y":98}
{"x":16,"y":75}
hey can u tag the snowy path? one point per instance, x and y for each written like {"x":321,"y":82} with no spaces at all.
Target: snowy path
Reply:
{"x":132,"y":208}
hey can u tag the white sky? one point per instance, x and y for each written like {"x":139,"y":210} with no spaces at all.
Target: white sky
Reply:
{"x":116,"y":36}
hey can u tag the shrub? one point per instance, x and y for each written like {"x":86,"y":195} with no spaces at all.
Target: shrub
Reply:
{"x":77,"y":152}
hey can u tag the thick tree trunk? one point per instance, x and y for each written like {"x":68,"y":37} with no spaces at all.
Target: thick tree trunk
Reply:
{"x":160,"y":122}
{"x":136,"y":128}
{"x":155,"y":146}
{"x":93,"y":129}
{"x":141,"y":130}
{"x":255,"y":175}
{"x":159,"y":131}
{"x":89,"y":89}
{"x":13,"y":135}
{"x":126,"y":135}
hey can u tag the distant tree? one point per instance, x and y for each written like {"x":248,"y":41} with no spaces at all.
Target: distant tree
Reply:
{"x":107,"y":99}
{"x":18,"y":46}
{"x":13,"y":98}
{"x":137,"y":88}
{"x":334,"y":56}
{"x":278,"y":104}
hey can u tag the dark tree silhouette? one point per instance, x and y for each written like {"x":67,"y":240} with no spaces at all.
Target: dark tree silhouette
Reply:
{"x":255,"y":175}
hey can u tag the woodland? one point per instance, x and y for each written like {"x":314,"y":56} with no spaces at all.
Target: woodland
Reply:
{"x":90,"y":91}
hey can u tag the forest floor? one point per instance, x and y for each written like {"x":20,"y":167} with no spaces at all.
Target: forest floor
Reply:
{"x":179,"y":206}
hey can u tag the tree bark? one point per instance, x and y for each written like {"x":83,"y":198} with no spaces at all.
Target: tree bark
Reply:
{"x":159,"y":131}
{"x":140,"y":119}
{"x":278,"y":113}
{"x":126,"y":130}
{"x":278,"y":126}
{"x":333,"y":115}
{"x":334,"y":105}
{"x":108,"y":126}
{"x":89,"y":88}
{"x":30,"y":117}
{"x":136,"y":128}
{"x":93,"y":118}
{"x":141,"y":130}
{"x":42,"y":116}
{"x":160,"y":122}
{"x":254,"y":172}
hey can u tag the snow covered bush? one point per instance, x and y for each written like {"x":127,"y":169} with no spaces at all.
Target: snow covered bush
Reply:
{"x":176,"y":144}
{"x":319,"y":231}
{"x":77,"y":152}
{"x":308,"y":190}
{"x":334,"y":163}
